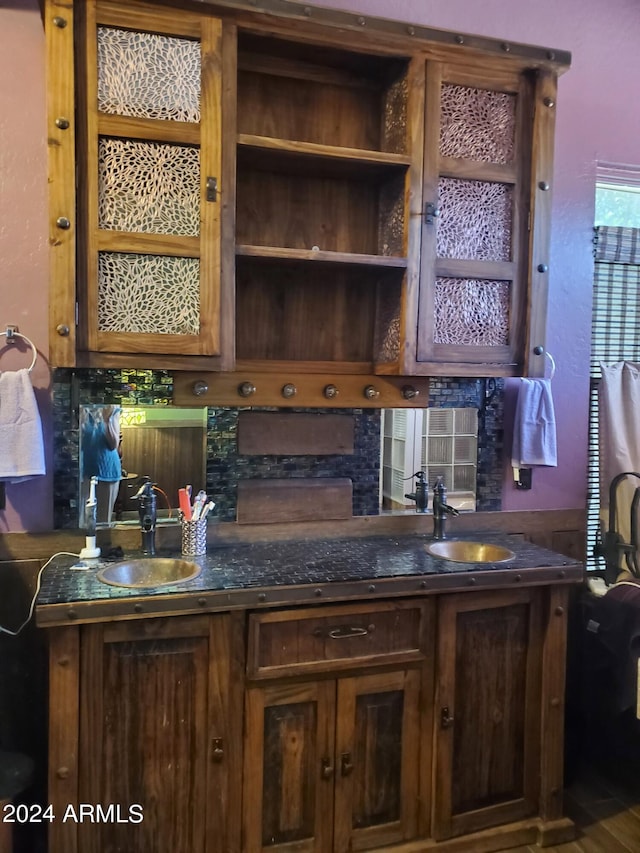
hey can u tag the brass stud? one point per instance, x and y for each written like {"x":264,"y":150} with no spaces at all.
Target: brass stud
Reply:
{"x":411,"y":31}
{"x":459,"y":39}
{"x":62,"y":123}
{"x":409,"y":392}
{"x":59,"y":22}
{"x":138,"y":608}
{"x":262,"y":596}
{"x":548,"y":102}
{"x":63,"y":223}
{"x":202,"y":602}
{"x":62,"y":772}
{"x":372,"y":587}
{"x":246,"y":389}
{"x":551,"y":55}
{"x":71,"y":613}
{"x":200,"y":387}
{"x":506,"y":47}
{"x":559,"y":611}
{"x":371,"y":393}
{"x":544,"y":186}
{"x":330,"y":391}
{"x":289,"y":390}
{"x":307,"y":11}
{"x":362,"y":21}
{"x":63,"y":330}
{"x":542,"y":268}
{"x":317,"y":593}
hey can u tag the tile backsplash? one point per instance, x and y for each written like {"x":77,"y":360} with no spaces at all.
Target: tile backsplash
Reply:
{"x":225,"y":466}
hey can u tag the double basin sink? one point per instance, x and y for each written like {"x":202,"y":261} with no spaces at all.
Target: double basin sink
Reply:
{"x":149,"y":572}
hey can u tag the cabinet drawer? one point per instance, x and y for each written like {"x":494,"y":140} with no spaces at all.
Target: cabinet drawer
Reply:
{"x":335,"y":638}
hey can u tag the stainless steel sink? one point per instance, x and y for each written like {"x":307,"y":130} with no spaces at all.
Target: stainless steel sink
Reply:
{"x":149,"y":572}
{"x":462,"y":551}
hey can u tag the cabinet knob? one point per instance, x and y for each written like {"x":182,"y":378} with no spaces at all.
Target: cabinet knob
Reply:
{"x":326,"y":770}
{"x":63,"y":330}
{"x":289,"y":390}
{"x":217,"y":750}
{"x":63,"y":223}
{"x":346,"y":765}
{"x":200,"y":387}
{"x":431,"y":212}
{"x":330,"y":391}
{"x":246,"y":389}
{"x":409,"y":392}
{"x":446,"y":719}
{"x":371,"y":392}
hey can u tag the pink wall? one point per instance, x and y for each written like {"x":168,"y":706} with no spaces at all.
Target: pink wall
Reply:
{"x":598,"y":119}
{"x":23,"y":233}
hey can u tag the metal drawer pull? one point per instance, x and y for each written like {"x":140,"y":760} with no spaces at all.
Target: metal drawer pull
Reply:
{"x":342,"y":632}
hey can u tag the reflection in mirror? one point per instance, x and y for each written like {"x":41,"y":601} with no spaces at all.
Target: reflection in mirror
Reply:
{"x":165,"y":443}
{"x":442,"y":442}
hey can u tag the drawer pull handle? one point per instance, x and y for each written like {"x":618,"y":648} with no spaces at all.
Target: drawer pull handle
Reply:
{"x":327,"y":769}
{"x":346,"y":765}
{"x":343,"y":632}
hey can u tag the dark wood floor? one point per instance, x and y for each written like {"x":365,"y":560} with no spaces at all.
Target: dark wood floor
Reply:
{"x":605,"y":805}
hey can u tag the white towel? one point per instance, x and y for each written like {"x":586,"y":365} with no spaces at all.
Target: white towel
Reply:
{"x":21,"y":445}
{"x":534,"y":428}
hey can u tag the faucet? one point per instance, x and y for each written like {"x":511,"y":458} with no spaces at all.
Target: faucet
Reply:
{"x":421,"y":492}
{"x":612,"y":546}
{"x":147,"y":512}
{"x":441,"y":509}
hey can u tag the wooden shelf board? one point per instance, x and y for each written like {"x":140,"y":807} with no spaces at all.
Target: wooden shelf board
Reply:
{"x":276,"y":253}
{"x":356,"y":157}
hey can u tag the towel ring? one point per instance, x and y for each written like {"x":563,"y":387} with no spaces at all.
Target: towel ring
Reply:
{"x":11,"y":333}
{"x":541,"y":351}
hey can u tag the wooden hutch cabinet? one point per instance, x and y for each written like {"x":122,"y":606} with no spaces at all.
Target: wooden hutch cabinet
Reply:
{"x":296,"y":189}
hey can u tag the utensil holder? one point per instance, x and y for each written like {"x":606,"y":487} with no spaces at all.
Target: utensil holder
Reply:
{"x":194,"y":538}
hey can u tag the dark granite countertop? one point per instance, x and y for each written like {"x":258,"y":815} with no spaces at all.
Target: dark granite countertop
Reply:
{"x":293,"y":572}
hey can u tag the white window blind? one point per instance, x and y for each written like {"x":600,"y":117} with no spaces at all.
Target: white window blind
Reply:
{"x":615,"y":336}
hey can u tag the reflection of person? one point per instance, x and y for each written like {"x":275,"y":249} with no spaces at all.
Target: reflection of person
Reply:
{"x":100,"y":457}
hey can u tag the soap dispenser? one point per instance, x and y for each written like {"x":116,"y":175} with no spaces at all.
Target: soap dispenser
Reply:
{"x":147,"y":511}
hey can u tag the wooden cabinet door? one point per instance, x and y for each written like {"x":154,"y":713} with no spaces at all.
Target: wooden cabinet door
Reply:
{"x":156,"y":737}
{"x":150,"y":184}
{"x":289,"y":767}
{"x":377,"y":760}
{"x":488,"y":710}
{"x":487,"y":163}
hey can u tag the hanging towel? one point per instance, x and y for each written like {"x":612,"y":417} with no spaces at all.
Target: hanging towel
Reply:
{"x":534,"y":429}
{"x":21,"y":445}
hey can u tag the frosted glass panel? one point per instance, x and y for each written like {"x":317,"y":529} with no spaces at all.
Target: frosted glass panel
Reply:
{"x":471,"y":312}
{"x":148,"y":76}
{"x":148,"y":294}
{"x":477,"y":124}
{"x":475,"y":220}
{"x":148,"y":187}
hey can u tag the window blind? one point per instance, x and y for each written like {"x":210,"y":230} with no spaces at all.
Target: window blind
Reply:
{"x":615,"y":336}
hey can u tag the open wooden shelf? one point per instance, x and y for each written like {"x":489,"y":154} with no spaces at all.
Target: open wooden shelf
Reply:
{"x":291,"y":155}
{"x":276,"y":253}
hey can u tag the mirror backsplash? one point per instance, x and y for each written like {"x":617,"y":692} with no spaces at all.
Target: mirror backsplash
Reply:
{"x":225,"y":466}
